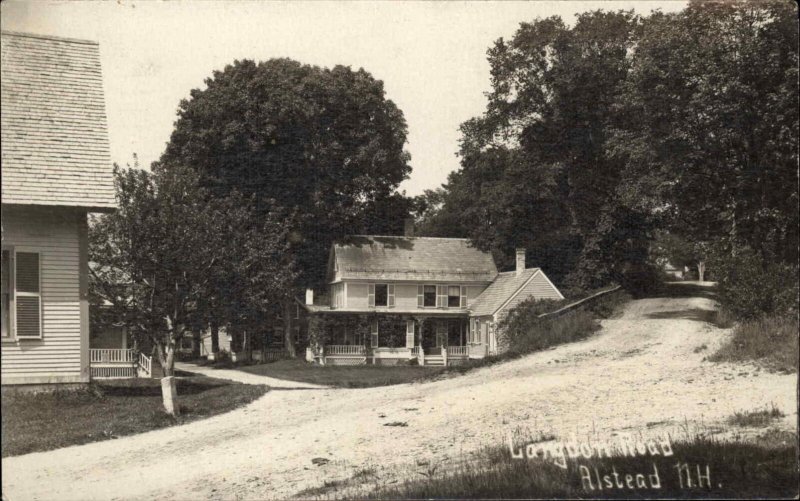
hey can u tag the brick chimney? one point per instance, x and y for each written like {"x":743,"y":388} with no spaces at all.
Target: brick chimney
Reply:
{"x":408,"y":227}
{"x":520,"y":260}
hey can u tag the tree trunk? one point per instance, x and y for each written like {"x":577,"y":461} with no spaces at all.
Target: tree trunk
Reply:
{"x":166,"y":357}
{"x":288,"y":331}
{"x":214,"y":338}
{"x":701,"y":270}
{"x":197,"y":341}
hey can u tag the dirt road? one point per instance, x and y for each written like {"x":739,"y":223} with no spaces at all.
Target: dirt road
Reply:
{"x":643,"y":372}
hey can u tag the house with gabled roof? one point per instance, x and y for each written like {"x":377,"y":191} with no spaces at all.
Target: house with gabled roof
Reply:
{"x":56,"y":168}
{"x":432,"y":301}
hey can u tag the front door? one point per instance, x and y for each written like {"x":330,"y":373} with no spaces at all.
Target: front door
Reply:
{"x":441,"y":334}
{"x":492,"y":340}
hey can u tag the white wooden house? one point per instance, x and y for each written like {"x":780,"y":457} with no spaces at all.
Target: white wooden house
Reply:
{"x":55,"y":169}
{"x":433,"y":300}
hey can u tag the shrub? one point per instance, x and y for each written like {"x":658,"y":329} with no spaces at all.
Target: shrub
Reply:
{"x":641,"y":280}
{"x":527,"y":332}
{"x":751,"y":285}
{"x":608,"y":305}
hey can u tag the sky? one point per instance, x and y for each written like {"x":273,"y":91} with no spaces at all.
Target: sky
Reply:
{"x":431,"y":56}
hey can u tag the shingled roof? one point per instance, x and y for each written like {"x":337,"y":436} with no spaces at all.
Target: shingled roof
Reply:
{"x":54,"y":141}
{"x":410,"y":258}
{"x":504,"y":287}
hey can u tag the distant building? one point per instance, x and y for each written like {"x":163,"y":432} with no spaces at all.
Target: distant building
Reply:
{"x":434,"y":300}
{"x":56,"y":168}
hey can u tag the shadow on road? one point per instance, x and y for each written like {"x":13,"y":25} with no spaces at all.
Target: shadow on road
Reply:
{"x":686,"y":289}
{"x":696,"y":314}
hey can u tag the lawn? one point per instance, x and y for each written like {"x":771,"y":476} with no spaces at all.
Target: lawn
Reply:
{"x":358,"y":376}
{"x":110,"y":409}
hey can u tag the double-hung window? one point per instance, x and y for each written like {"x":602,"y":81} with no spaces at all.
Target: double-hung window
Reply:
{"x":381,"y":295}
{"x":21,"y":295}
{"x":426,"y":296}
{"x":453,"y":296}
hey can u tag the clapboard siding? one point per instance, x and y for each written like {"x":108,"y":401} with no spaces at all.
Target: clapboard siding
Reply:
{"x":58,"y":234}
{"x":537,"y":288}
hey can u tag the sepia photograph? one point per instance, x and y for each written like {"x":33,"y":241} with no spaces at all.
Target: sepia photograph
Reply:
{"x":402,"y":250}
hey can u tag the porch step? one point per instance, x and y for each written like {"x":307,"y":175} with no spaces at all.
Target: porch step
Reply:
{"x":434,"y":360}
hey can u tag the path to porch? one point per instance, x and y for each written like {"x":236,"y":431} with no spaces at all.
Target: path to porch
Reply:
{"x":246,"y":378}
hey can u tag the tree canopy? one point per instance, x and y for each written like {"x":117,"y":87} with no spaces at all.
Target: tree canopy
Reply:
{"x":171,"y":256}
{"x":324,"y":145}
{"x":595,"y":135}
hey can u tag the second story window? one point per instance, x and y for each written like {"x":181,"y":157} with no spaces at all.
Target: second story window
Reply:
{"x":381,"y":295}
{"x":429,"y":296}
{"x":453,"y":296}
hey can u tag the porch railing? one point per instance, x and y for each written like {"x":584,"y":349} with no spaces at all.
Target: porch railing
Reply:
{"x":111,"y":356}
{"x":146,"y":363}
{"x":458,"y":351}
{"x":342,"y":349}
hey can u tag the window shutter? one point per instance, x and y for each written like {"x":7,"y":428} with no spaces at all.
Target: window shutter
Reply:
{"x":463,"y":296}
{"x":28,"y":299}
{"x":441,"y":296}
{"x":420,"y":296}
{"x":390,"y":295}
{"x":375,"y":333}
{"x":371,"y":295}
{"x":409,"y":333}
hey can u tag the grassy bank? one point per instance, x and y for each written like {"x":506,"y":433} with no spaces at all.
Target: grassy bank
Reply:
{"x":110,"y":409}
{"x":526,"y":332}
{"x":713,"y":469}
{"x":769,"y":341}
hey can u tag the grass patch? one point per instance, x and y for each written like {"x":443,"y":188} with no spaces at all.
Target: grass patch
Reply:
{"x":110,"y":409}
{"x":770,"y":341}
{"x":734,"y":469}
{"x":358,"y":376}
{"x":757,"y":418}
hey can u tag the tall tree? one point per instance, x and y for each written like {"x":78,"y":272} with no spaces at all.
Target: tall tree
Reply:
{"x":170,"y":246}
{"x":325,"y":145}
{"x":712,"y":102}
{"x":534,"y":166}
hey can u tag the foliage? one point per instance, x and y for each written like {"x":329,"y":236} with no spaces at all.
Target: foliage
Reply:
{"x":170,"y":258}
{"x":321,"y":327}
{"x":526,"y":336}
{"x":525,"y":331}
{"x":325,"y":145}
{"x":599,"y":134}
{"x":771,"y":341}
{"x":678,"y":251}
{"x":751,"y":285}
{"x":712,"y":98}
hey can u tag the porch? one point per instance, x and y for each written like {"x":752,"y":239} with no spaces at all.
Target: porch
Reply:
{"x":398,"y":340}
{"x":108,"y":363}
